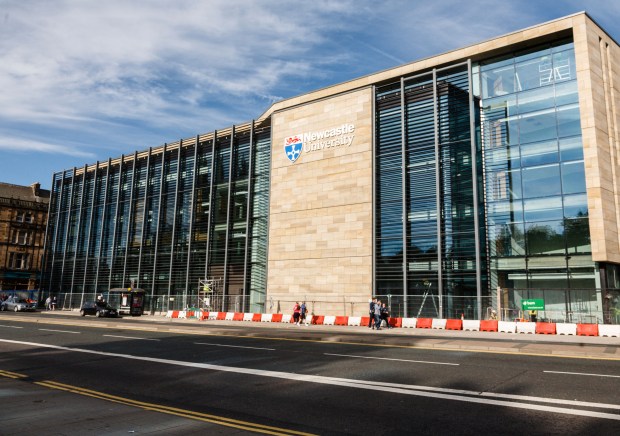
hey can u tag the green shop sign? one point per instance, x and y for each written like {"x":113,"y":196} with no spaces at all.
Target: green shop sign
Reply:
{"x":534,"y":304}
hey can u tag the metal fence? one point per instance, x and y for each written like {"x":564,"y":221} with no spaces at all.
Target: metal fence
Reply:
{"x":561,"y":305}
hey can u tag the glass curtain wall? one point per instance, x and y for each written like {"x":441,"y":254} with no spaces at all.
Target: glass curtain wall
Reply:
{"x":536,"y":206}
{"x":164,"y":220}
{"x":426,"y":202}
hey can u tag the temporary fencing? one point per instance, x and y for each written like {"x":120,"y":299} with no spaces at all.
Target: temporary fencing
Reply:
{"x":524,"y":327}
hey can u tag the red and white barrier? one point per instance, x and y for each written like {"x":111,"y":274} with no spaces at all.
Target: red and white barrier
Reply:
{"x":526,"y":327}
{"x":507,"y":326}
{"x":609,"y":330}
{"x":548,"y":328}
{"x":562,"y":328}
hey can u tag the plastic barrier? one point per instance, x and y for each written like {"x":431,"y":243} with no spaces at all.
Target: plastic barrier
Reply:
{"x":365,"y":321}
{"x":182,"y":314}
{"x":488,"y":325}
{"x":287,"y":318}
{"x":409,"y":322}
{"x":587,"y":329}
{"x":169,"y":314}
{"x":438,"y":324}
{"x":237,"y":316}
{"x":507,"y":326}
{"x":609,"y":330}
{"x":318,"y":319}
{"x":248,"y":316}
{"x":256,"y":317}
{"x":355,"y":321}
{"x":471,"y":325}
{"x":526,"y":327}
{"x":341,"y":320}
{"x":562,"y":328}
{"x":204,"y":315}
{"x":221,"y":316}
{"x":329,"y":320}
{"x":213,"y":315}
{"x":454,"y":324}
{"x":395,"y":322}
{"x":230,"y":316}
{"x":266,"y":317}
{"x":424,"y":323}
{"x":545,"y":328}
{"x":276,"y":317}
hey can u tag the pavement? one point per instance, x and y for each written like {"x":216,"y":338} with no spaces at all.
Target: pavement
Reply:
{"x":591,"y":347}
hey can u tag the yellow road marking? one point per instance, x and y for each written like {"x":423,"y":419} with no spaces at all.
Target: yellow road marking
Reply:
{"x":204,"y":417}
{"x":10,"y":374}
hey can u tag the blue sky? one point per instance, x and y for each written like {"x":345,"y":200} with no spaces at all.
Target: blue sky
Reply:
{"x":82,"y":81}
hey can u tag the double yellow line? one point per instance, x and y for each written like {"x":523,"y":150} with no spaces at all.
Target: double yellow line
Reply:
{"x":204,"y":417}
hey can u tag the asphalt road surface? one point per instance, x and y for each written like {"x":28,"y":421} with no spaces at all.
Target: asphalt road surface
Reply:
{"x":90,"y":376}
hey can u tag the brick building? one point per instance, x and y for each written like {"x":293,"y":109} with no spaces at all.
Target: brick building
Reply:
{"x":23,"y":217}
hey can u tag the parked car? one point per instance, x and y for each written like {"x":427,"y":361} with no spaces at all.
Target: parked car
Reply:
{"x":17,"y":304}
{"x":98,"y":309}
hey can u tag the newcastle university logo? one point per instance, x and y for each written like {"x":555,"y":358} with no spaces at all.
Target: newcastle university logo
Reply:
{"x":292,"y":147}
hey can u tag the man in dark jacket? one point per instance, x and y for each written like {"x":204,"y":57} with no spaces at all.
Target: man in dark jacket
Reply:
{"x":371,"y":313}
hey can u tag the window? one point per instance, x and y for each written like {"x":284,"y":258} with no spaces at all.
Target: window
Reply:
{"x":18,"y":260}
{"x":20,"y":237}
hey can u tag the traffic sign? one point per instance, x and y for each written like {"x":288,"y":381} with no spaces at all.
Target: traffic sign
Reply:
{"x":533,"y":304}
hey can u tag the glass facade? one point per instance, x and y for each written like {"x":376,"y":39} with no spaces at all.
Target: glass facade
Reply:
{"x":480,"y":184}
{"x":427,"y":246}
{"x":535,"y":193}
{"x":165,"y":221}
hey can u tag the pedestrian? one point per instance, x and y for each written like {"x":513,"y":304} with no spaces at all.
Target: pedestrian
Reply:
{"x":303,"y":314}
{"x":385,"y":316}
{"x":378,"y":314}
{"x":48,"y":303}
{"x":296,"y":313}
{"x":371,"y":313}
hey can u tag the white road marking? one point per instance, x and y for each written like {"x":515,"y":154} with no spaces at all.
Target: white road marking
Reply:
{"x":582,"y":373}
{"x":234,"y":346}
{"x":444,"y":394}
{"x":387,"y":358}
{"x":131,"y":337}
{"x":59,"y":331}
{"x":11,"y":326}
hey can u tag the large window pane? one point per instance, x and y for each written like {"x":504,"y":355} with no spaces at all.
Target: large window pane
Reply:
{"x":535,"y":100}
{"x":543,"y":209}
{"x":566,"y":93}
{"x":568,"y":121}
{"x":573,"y":177}
{"x":541,"y":181}
{"x":545,"y":238}
{"x":575,"y":206}
{"x":571,"y":148}
{"x":577,"y":236}
{"x":539,"y":153}
{"x":537,"y":126}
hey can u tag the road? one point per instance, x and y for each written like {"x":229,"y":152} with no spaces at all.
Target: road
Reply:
{"x":92,"y":376}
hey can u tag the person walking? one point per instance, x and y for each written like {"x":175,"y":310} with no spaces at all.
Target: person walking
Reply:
{"x":371,"y":313}
{"x":48,"y":303}
{"x":385,"y":316}
{"x":377,"y":314}
{"x":303,"y":318}
{"x":296,"y":313}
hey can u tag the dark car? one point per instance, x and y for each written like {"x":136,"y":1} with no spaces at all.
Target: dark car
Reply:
{"x":18,"y":304}
{"x":98,"y":309}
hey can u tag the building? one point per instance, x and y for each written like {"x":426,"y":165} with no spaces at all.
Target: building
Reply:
{"x":23,"y":217}
{"x":448,"y":186}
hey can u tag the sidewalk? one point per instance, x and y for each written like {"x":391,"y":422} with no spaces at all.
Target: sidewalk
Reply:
{"x":596,"y":347}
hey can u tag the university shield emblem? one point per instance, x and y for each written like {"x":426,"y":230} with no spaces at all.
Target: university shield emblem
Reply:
{"x":292,"y":147}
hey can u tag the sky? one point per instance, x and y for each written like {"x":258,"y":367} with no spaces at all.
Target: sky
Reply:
{"x":83,"y":81}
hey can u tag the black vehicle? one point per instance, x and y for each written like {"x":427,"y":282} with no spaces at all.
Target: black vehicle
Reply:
{"x":99,"y":309}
